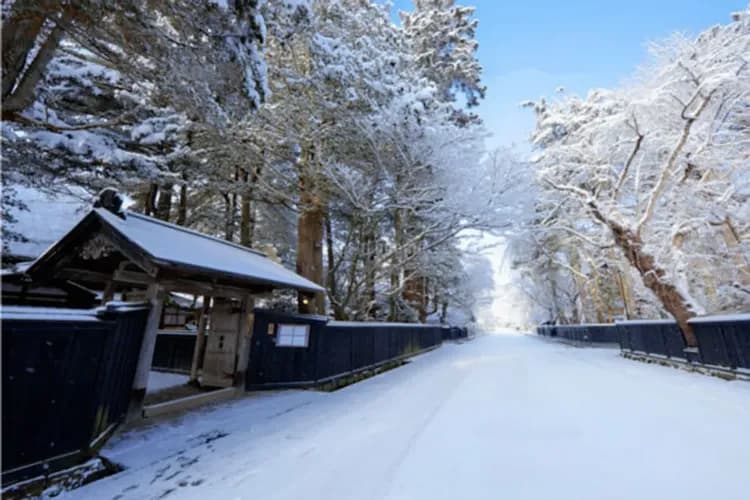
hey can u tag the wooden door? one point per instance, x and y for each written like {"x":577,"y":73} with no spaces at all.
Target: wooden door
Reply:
{"x":220,"y":361}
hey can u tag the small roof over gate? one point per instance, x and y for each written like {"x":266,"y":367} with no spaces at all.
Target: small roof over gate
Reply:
{"x":164,"y":249}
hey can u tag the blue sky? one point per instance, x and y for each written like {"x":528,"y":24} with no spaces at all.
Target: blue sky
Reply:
{"x":530,"y":47}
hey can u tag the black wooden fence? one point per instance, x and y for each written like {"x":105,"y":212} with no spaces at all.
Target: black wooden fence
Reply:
{"x":67,"y":377}
{"x":723,"y":341}
{"x":333,"y":349}
{"x":659,"y":337}
{"x":455,"y":332}
{"x":589,"y":333}
{"x":174,"y":348}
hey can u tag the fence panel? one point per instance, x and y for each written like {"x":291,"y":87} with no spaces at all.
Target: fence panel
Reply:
{"x":623,"y":334}
{"x":67,"y":374}
{"x":737,"y":335}
{"x":362,"y":348}
{"x":336,"y":348}
{"x":603,"y":333}
{"x":598,"y":333}
{"x":651,"y":336}
{"x":674,"y":342}
{"x":121,"y":362}
{"x":49,"y":377}
{"x":724,"y":340}
{"x":272,"y":364}
{"x":334,"y":352}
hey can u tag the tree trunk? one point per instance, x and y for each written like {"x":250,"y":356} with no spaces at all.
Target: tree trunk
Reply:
{"x":444,"y":313}
{"x":228,"y":218}
{"x":370,"y":249}
{"x":310,"y":234}
{"x":20,"y":31}
{"x":246,"y":236}
{"x":331,"y":282}
{"x":396,"y":266}
{"x":672,"y":299}
{"x":423,"y":300}
{"x":249,"y":218}
{"x":20,"y":34}
{"x":164,"y":207}
{"x":653,"y":277}
{"x":149,"y":207}
{"x":310,"y":257}
{"x":146,"y":198}
{"x":555,"y":306}
{"x":182,"y":209}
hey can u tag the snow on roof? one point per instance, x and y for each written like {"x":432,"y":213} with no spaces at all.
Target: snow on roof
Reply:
{"x":721,"y":318}
{"x":178,"y":245}
{"x":48,"y":313}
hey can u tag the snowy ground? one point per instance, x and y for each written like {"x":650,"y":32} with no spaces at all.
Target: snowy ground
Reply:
{"x":501,"y":417}
{"x":162,"y":380}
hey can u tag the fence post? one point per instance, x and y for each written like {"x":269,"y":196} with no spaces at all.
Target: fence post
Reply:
{"x":155,"y":297}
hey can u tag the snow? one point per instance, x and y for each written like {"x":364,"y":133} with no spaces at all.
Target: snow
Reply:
{"x":379,"y":323}
{"x":48,"y":314}
{"x":721,"y":317}
{"x":500,"y":417}
{"x":162,"y":380}
{"x":646,"y":322}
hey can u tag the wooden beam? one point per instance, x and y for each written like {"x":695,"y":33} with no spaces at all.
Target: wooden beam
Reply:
{"x":244,"y":338}
{"x":72,"y":273}
{"x":200,"y":340}
{"x":132,"y":277}
{"x":201,"y":288}
{"x":109,"y":292}
{"x":193,"y":287}
{"x":155,"y":296}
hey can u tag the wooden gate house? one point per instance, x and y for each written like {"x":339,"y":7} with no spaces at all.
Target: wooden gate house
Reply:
{"x":142,"y":259}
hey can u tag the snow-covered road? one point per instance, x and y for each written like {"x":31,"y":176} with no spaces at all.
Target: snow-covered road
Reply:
{"x":509,"y":417}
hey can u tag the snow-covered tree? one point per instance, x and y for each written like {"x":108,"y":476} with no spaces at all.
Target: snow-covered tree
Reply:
{"x":659,"y":169}
{"x":96,"y":93}
{"x":355,"y":159}
{"x":442,"y":41}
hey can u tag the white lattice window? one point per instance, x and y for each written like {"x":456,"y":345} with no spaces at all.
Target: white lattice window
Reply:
{"x":293,"y":335}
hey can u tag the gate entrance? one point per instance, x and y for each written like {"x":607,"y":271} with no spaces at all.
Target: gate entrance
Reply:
{"x":220,"y":361}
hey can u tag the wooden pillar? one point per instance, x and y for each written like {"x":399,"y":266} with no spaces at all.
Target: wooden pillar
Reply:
{"x":109,"y":292}
{"x":155,"y":296}
{"x":200,"y":339}
{"x":243,"y":340}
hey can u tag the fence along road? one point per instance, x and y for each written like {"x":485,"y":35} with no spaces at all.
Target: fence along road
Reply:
{"x":499,"y":417}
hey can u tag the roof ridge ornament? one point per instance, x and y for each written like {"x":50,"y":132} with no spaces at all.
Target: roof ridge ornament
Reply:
{"x":110,"y":199}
